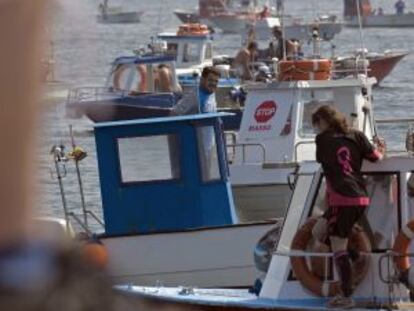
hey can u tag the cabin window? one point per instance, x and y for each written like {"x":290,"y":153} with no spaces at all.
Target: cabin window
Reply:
{"x":207,"y":150}
{"x":311,"y":100}
{"x":172,"y":48}
{"x":190,"y":53}
{"x":380,"y":220}
{"x":149,"y":158}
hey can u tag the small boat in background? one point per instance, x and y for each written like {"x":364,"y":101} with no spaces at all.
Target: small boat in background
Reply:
{"x":370,"y":19}
{"x":380,"y":65}
{"x":115,"y":14}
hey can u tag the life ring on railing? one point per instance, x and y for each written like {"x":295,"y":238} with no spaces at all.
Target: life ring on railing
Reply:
{"x":142,"y":78}
{"x":307,"y":69}
{"x":401,"y":244}
{"x":358,"y":241}
{"x":193,"y":29}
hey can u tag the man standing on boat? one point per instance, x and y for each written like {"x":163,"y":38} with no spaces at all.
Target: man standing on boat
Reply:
{"x":203,"y":99}
{"x":399,"y":7}
{"x":207,"y":89}
{"x":341,"y":150}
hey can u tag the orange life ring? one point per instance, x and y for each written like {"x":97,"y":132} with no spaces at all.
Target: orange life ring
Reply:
{"x":401,"y":244}
{"x":142,"y":78}
{"x":312,"y":282}
{"x":309,"y":69}
{"x":192,"y":29}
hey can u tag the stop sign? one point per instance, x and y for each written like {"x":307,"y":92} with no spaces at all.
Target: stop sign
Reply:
{"x":265,"y":111}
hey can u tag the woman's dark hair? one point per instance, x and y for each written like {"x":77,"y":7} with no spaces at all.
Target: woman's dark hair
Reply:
{"x":335,"y":119}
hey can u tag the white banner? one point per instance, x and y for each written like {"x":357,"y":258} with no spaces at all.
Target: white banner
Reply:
{"x":265,"y":115}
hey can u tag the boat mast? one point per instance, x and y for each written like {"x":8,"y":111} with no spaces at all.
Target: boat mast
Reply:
{"x":361,"y":38}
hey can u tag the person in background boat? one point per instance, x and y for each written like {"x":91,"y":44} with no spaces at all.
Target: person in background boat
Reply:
{"x":340,"y":150}
{"x":399,"y":7}
{"x":278,"y":44}
{"x":203,"y":99}
{"x":380,"y":11}
{"x":264,"y":13}
{"x":244,"y":60}
{"x":163,"y":80}
{"x":37,"y":272}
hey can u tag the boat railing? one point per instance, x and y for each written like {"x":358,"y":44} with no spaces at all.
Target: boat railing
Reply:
{"x":387,"y":271}
{"x":398,"y":134}
{"x":233,"y":146}
{"x":91,"y":93}
{"x":298,"y":144}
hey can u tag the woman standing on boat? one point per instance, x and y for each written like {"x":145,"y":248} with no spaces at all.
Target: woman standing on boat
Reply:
{"x":340,"y":150}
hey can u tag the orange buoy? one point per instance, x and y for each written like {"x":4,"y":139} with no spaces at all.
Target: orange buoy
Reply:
{"x":95,"y":253}
{"x":401,"y":244}
{"x":358,"y":241}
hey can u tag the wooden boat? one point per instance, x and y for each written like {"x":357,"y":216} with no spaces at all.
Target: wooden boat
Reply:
{"x":380,"y":65}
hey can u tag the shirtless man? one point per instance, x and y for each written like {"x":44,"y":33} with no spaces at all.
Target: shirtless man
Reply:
{"x":243,"y":61}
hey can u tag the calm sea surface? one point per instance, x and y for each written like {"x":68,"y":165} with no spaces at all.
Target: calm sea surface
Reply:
{"x":83,"y":50}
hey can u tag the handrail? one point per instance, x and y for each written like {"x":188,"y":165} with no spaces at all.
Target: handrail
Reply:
{"x":244,"y":145}
{"x":395,"y":120}
{"x":304,"y":142}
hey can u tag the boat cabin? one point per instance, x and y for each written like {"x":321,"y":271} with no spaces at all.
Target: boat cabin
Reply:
{"x":276,"y":134}
{"x":301,"y":281}
{"x":193,"y":49}
{"x":163,"y":174}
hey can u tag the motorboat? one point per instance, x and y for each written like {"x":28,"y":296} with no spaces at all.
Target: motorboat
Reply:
{"x":369,"y":18}
{"x":300,"y":278}
{"x":116,"y":15}
{"x":168,"y":209}
{"x":130,"y":91}
{"x":379,"y":65}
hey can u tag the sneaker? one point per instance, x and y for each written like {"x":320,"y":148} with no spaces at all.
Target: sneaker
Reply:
{"x":341,"y":302}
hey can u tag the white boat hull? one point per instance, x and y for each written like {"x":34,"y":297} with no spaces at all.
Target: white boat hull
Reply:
{"x":120,"y":17}
{"x":389,"y":20}
{"x":210,"y":257}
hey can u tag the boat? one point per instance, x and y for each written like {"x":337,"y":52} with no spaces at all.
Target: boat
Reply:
{"x":370,"y":19}
{"x":130,"y":91}
{"x":299,"y":278}
{"x":380,"y":65}
{"x":115,"y":15}
{"x":176,"y":223}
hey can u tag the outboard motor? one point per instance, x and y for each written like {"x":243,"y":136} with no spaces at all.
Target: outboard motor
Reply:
{"x":238,"y":94}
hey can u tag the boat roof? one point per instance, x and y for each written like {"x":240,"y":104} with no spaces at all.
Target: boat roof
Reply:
{"x":143,"y":59}
{"x":172,"y":35}
{"x":311,"y":84}
{"x":162,"y":119}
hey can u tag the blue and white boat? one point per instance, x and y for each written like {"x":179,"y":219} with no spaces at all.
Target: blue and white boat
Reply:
{"x":130,"y":91}
{"x":167,"y":204}
{"x":298,"y":277}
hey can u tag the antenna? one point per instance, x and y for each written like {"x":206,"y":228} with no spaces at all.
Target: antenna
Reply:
{"x":361,"y":37}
